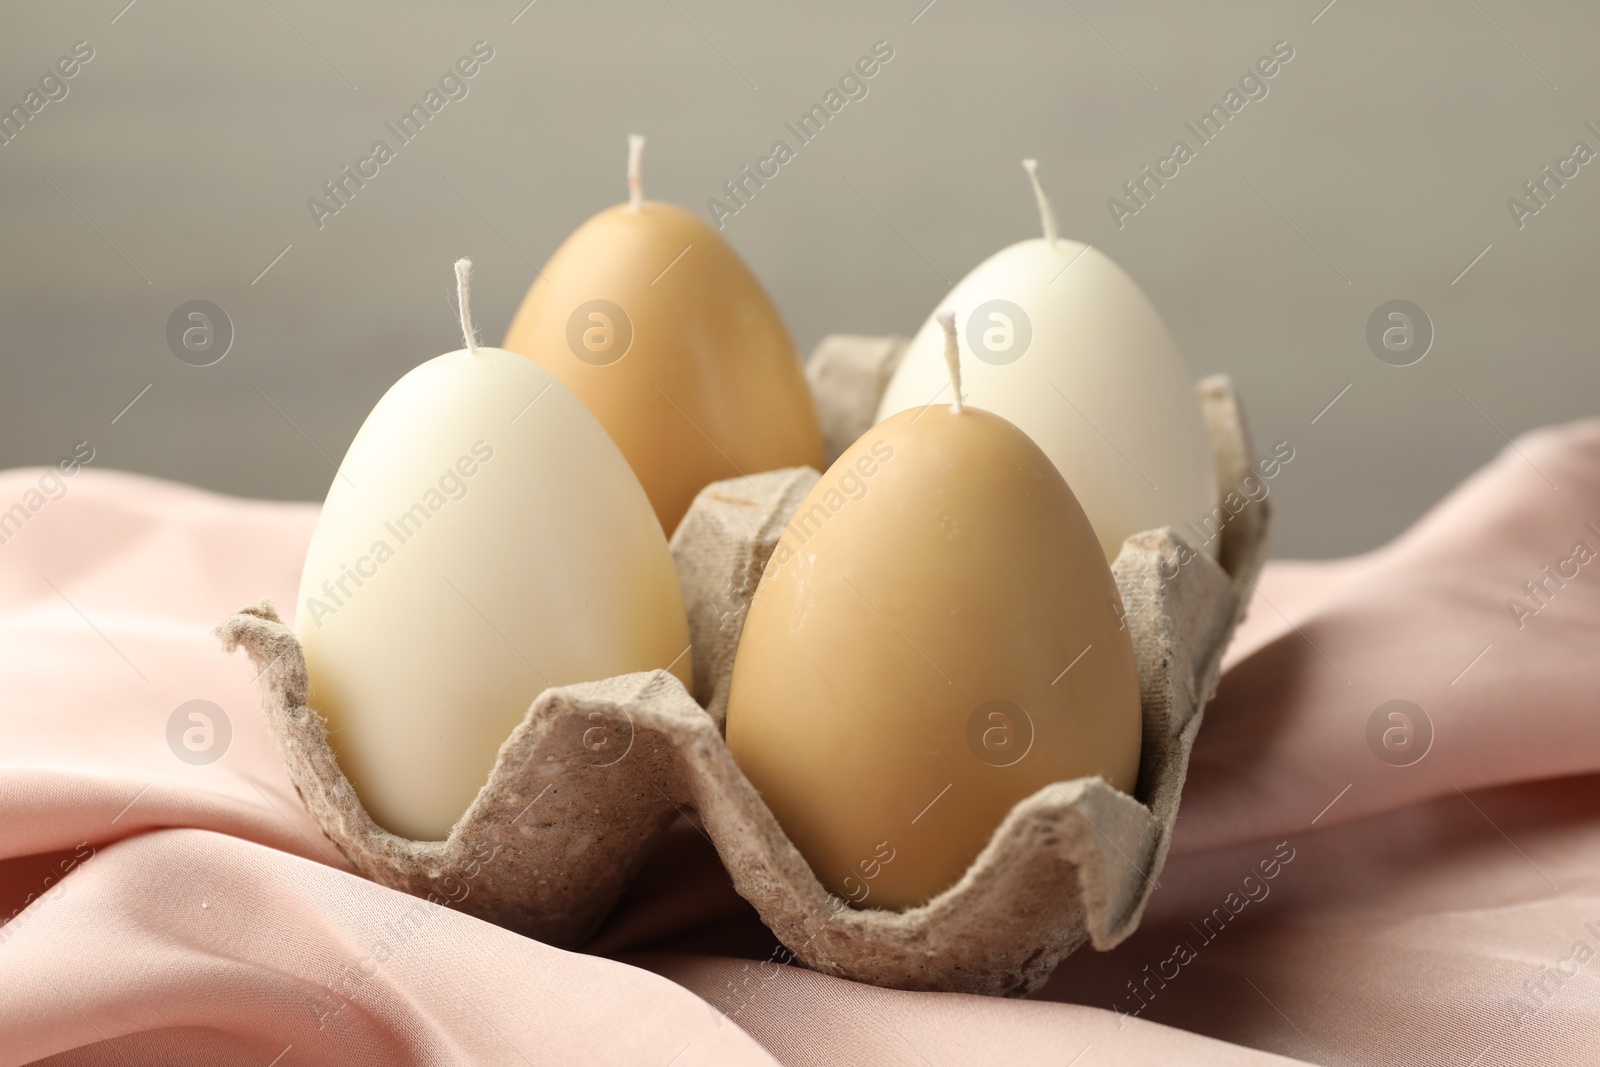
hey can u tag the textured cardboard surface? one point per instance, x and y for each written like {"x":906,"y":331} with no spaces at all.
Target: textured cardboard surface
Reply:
{"x":596,"y":771}
{"x":848,"y":375}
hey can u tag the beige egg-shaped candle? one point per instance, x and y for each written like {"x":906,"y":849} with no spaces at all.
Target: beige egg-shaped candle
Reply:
{"x":1063,"y":343}
{"x":936,"y":637}
{"x":483,"y":540}
{"x":658,"y":326}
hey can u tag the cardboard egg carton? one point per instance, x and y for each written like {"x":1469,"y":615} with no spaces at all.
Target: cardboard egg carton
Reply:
{"x":596,"y":772}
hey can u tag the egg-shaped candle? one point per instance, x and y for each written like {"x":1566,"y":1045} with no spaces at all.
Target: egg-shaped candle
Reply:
{"x":1064,"y":344}
{"x":935,"y":637}
{"x":483,"y":540}
{"x":657,"y":325}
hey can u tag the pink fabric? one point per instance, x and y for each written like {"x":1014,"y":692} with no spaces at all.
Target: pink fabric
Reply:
{"x":1427,"y":914}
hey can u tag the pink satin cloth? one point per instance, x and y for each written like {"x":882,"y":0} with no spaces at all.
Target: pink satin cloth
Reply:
{"x":1321,"y":904}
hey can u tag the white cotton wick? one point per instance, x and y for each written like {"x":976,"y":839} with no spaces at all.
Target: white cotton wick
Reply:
{"x":635,"y":187}
{"x":463,"y":298}
{"x":952,"y":356}
{"x":1047,"y":216}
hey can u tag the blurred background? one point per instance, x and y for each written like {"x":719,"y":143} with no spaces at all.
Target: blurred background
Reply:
{"x":1378,"y":166}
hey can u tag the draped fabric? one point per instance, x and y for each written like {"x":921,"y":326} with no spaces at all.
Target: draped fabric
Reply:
{"x":1388,"y":850}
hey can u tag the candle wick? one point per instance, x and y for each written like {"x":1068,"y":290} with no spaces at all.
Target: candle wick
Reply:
{"x":1047,"y":215}
{"x":635,"y":187}
{"x":952,"y":357}
{"x":463,"y":298}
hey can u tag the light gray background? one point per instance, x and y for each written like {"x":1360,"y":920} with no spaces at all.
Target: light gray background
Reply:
{"x":1378,"y":167}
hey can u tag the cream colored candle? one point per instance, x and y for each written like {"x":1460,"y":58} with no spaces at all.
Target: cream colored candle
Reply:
{"x":657,"y":325}
{"x":483,"y":540}
{"x":935,"y":638}
{"x":1061,"y":342}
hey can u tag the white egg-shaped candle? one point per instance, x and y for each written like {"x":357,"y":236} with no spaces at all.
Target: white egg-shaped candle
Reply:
{"x":1064,"y":344}
{"x":483,"y":540}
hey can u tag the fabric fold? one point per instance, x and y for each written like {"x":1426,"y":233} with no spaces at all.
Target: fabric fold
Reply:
{"x":1442,"y":902}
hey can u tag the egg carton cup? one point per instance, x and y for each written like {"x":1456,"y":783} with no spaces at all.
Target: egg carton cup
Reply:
{"x":595,"y":773}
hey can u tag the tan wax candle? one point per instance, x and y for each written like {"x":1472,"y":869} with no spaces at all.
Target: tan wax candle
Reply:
{"x":657,"y":325}
{"x":936,"y":637}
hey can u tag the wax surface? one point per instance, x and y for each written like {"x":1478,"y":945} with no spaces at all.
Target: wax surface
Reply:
{"x":484,"y":539}
{"x":1100,"y":386}
{"x":939,"y":566}
{"x":709,"y":385}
